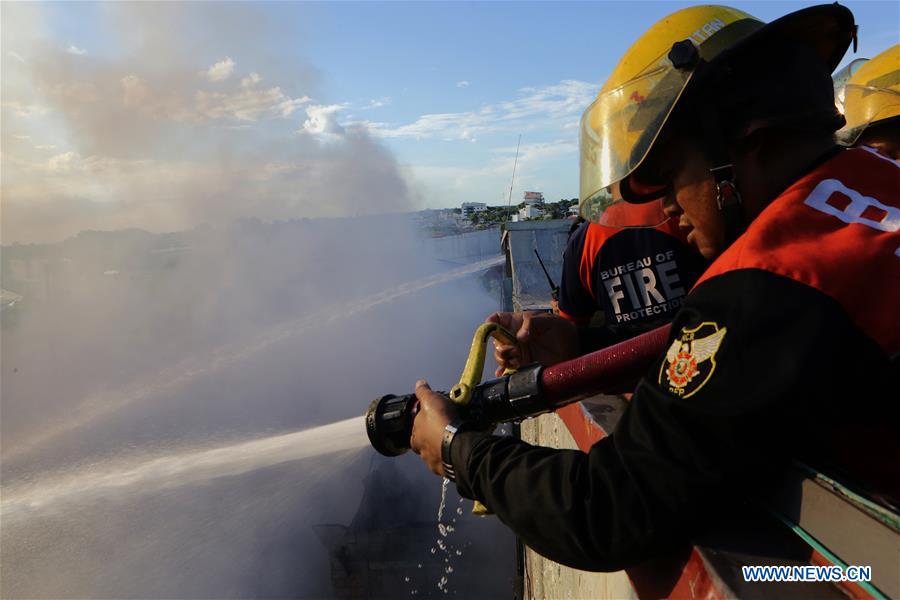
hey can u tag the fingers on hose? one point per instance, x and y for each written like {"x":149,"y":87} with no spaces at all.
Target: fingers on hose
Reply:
{"x":506,"y":352}
{"x":507,"y":320}
{"x":508,"y":357}
{"x":422,"y":390}
{"x":524,"y":332}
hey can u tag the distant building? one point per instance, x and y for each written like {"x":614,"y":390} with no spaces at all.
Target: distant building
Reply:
{"x":529,"y":211}
{"x":534,"y":198}
{"x":573,"y":211}
{"x":470,"y":208}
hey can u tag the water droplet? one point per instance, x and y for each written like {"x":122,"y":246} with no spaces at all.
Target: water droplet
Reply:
{"x":444,"y":485}
{"x":406,"y":579}
{"x":459,"y":511}
{"x":449,"y":569}
{"x":458,"y":553}
{"x":433,"y":550}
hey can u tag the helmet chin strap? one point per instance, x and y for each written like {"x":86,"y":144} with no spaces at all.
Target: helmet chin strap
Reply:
{"x":728,"y":199}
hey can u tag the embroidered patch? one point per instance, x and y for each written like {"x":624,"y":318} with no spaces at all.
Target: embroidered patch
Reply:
{"x":691,"y":359}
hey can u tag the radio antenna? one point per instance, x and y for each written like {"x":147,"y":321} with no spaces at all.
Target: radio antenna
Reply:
{"x":511,"y":183}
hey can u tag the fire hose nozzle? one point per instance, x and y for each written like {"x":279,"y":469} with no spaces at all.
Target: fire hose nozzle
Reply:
{"x":389,"y":422}
{"x":513,"y":397}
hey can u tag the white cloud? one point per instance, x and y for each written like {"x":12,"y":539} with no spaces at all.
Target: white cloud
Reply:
{"x":448,"y":126}
{"x":535,"y":154}
{"x":322,"y":120}
{"x":289,"y":105}
{"x":221,"y":71}
{"x":250,"y":80}
{"x":565,"y":98}
{"x":462,"y":84}
{"x":532,"y":157}
{"x":550,"y":106}
{"x":488,"y":182}
{"x":24,"y":138}
{"x":246,"y":105}
{"x":73,"y":49}
{"x":45,"y":147}
{"x":16,"y":56}
{"x":377,"y":102}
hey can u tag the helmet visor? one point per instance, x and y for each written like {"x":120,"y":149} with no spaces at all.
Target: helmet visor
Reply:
{"x":608,"y":208}
{"x":618,"y":129}
{"x":863,"y":106}
{"x":840,"y":81}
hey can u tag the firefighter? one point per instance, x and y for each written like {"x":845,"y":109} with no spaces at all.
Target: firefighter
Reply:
{"x":624,"y":274}
{"x":596,"y":274}
{"x":785,"y":339}
{"x":871,"y":104}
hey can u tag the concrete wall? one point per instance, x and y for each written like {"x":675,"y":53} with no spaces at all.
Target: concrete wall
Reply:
{"x":545,"y":578}
{"x":530,"y":288}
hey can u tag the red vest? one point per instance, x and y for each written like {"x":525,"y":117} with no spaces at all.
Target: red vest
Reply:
{"x":837,"y":230}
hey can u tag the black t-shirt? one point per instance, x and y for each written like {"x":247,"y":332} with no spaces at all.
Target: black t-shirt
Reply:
{"x":638,"y":277}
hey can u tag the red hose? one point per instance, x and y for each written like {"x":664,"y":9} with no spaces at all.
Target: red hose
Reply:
{"x":612,"y":370}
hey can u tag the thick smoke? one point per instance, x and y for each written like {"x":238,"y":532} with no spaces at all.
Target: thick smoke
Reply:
{"x":155,"y":131}
{"x":103,"y":313}
{"x":140,"y":131}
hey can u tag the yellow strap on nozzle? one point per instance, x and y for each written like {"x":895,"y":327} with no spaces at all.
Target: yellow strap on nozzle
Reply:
{"x":461,"y":393}
{"x":471,"y":375}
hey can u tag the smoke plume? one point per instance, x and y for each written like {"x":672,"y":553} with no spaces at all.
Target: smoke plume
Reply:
{"x":177,"y":114}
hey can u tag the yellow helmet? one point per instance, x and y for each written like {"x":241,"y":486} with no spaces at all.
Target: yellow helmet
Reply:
{"x":621,"y":126}
{"x":871,"y":95}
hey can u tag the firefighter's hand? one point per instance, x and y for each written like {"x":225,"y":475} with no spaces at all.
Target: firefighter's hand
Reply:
{"x":435,"y":412}
{"x":542,"y":337}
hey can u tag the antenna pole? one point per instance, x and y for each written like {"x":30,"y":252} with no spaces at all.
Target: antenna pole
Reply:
{"x":511,"y":183}
{"x":554,"y":289}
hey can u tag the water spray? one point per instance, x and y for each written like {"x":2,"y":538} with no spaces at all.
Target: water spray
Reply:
{"x":531,"y":391}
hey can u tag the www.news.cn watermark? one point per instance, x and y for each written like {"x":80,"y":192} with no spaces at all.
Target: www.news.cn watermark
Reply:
{"x":807,"y":573}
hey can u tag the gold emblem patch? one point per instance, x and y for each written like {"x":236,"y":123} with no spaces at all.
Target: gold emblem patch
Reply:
{"x":691,"y":359}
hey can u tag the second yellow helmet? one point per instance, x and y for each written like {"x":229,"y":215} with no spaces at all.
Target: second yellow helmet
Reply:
{"x":871,"y":95}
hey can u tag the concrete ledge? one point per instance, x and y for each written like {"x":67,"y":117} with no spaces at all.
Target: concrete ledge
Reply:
{"x":545,"y":579}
